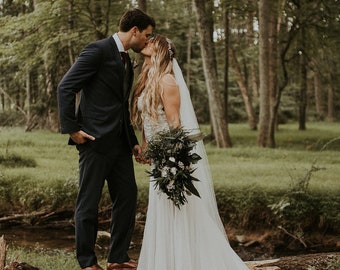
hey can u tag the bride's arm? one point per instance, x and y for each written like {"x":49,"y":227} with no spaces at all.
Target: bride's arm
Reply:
{"x":171,"y":100}
{"x":143,"y":159}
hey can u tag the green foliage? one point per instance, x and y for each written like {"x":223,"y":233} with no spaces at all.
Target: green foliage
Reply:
{"x":299,"y":211}
{"x":41,"y":39}
{"x":244,"y":208}
{"x":10,"y":118}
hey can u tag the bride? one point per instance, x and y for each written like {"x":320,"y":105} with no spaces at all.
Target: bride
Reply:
{"x":192,"y":237}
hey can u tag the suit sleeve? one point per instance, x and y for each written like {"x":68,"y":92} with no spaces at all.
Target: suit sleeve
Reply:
{"x":73,"y":82}
{"x":132,"y":136}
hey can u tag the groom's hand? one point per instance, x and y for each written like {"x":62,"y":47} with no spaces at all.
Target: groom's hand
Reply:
{"x":138,"y":153}
{"x":80,"y":137}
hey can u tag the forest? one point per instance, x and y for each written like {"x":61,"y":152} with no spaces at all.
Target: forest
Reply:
{"x":262,"y":62}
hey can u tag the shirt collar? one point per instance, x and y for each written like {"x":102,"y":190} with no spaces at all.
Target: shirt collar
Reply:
{"x":119,"y":43}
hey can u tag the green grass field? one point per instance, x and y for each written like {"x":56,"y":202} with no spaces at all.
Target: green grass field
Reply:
{"x":246,"y":177}
{"x":245,"y":164}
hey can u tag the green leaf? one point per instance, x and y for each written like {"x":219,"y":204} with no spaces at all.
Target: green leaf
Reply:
{"x":190,"y":186}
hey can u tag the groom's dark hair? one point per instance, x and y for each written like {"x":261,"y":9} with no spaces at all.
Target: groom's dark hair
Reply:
{"x":135,"y":17}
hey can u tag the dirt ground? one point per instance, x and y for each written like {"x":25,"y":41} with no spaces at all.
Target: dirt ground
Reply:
{"x":315,"y":261}
{"x":261,"y":251}
{"x":319,"y":261}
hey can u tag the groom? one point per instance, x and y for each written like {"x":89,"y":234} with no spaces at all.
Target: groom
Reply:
{"x":104,"y":137}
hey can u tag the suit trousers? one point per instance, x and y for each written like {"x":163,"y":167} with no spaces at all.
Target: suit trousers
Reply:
{"x":116,"y":167}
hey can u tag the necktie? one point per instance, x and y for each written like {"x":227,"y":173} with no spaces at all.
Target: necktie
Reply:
{"x":125,"y":57}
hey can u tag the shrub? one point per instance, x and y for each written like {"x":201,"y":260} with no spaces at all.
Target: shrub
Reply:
{"x":14,"y":160}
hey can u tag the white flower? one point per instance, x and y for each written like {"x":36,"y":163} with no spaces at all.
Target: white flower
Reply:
{"x":178,"y":146}
{"x":171,"y":185}
{"x":172,"y":159}
{"x":165,"y":171}
{"x":181,"y":164}
{"x":173,"y":170}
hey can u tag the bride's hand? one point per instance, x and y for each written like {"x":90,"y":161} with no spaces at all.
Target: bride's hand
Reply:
{"x":144,"y":159}
{"x":138,"y":153}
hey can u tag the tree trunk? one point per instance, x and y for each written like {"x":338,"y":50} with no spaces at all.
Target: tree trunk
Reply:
{"x":264,"y":46}
{"x":252,"y":77}
{"x":2,"y":97}
{"x":216,"y":102}
{"x":52,"y":119}
{"x":70,"y":30}
{"x":142,"y":5}
{"x":330,"y":99}
{"x":189,"y":42}
{"x":320,"y":110}
{"x":95,"y":11}
{"x":273,"y":87}
{"x":330,"y":112}
{"x":28,"y":101}
{"x":303,"y":84}
{"x":226,"y":70}
{"x":241,"y":81}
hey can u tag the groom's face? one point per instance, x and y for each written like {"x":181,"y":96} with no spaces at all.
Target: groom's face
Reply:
{"x":148,"y":50}
{"x":141,"y":38}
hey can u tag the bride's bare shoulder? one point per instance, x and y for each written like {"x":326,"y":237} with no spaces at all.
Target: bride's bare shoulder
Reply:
{"x":168,"y":85}
{"x":168,"y":80}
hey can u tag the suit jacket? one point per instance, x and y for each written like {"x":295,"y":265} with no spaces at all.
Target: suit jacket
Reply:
{"x":103,"y":110}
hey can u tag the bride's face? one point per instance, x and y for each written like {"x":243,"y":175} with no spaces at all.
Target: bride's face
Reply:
{"x":148,"y":50}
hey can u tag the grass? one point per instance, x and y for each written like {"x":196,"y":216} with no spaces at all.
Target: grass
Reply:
{"x":43,"y":259}
{"x":245,"y":176}
{"x":245,"y":164}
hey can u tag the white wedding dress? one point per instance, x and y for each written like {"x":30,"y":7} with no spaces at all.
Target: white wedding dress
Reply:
{"x":193,"y":237}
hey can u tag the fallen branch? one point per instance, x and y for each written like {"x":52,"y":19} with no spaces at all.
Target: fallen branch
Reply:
{"x":24,"y":216}
{"x":36,"y":218}
{"x":293,"y":236}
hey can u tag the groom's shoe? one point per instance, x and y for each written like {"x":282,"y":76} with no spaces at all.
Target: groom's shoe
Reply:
{"x":93,"y":267}
{"x":130,"y":265}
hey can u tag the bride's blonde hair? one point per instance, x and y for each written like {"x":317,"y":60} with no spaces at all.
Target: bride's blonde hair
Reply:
{"x":150,"y":77}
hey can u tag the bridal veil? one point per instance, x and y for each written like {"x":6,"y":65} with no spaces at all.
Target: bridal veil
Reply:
{"x":189,"y":123}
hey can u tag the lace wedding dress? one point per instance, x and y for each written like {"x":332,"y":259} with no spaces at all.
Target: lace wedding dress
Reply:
{"x":193,"y":237}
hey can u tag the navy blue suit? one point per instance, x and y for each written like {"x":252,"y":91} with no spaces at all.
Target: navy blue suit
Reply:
{"x":103,"y":112}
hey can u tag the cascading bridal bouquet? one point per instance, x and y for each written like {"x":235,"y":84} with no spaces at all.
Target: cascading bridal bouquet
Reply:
{"x":172,"y":160}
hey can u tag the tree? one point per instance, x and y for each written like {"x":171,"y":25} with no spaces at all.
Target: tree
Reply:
{"x":39,"y":42}
{"x":264,"y":70}
{"x":41,"y":39}
{"x":226,"y":65}
{"x":243,"y":56}
{"x":216,"y":102}
{"x":313,"y":24}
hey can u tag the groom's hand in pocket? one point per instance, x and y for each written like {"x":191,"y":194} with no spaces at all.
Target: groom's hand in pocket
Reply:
{"x":81,"y":137}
